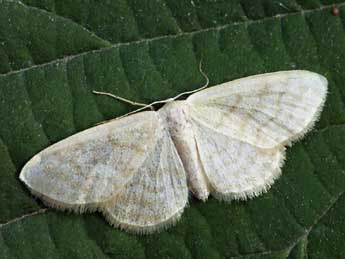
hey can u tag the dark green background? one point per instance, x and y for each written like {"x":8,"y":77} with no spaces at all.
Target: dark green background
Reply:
{"x":54,"y":53}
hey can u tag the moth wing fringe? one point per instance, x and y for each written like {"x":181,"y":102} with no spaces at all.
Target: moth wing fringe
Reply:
{"x":62,"y":206}
{"x":256,"y":191}
{"x":100,"y":207}
{"x":144,"y":230}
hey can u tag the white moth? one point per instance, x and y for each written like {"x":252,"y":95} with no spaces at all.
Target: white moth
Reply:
{"x":227,"y":141}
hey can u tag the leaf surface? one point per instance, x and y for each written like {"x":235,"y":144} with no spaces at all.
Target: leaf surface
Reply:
{"x":54,"y":53}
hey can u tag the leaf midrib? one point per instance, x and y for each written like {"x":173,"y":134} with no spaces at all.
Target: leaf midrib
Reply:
{"x":162,"y":37}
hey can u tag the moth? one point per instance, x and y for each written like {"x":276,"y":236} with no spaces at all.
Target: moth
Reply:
{"x":227,"y":141}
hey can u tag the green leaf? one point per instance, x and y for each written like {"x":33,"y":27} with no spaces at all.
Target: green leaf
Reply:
{"x":54,"y":53}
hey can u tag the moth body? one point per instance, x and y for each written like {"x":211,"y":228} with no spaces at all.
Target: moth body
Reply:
{"x":175,"y":116}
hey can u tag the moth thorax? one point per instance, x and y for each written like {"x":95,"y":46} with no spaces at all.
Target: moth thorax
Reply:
{"x":174,"y":116}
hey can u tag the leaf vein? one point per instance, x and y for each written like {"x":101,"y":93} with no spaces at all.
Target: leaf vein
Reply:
{"x":161,"y":37}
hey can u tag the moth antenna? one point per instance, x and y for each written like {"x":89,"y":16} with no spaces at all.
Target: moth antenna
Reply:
{"x":129,"y":113}
{"x":121,"y":99}
{"x":145,"y":106}
{"x":199,"y":89}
